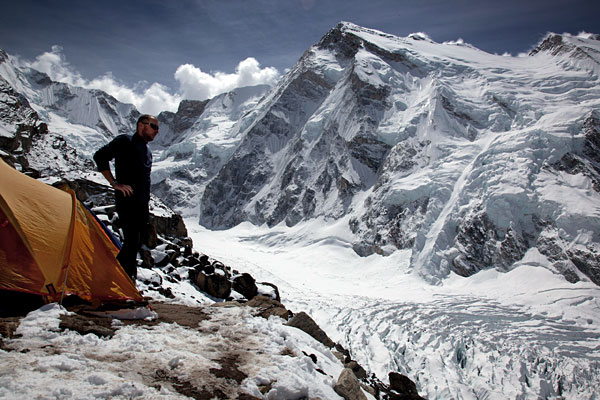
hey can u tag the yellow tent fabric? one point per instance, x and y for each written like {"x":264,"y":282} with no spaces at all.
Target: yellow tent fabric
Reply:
{"x":51,"y":245}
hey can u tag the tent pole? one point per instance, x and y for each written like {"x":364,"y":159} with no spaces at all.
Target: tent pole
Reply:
{"x":62,"y":294}
{"x":69,"y":243}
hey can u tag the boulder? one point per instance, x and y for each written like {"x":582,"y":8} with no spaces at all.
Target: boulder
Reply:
{"x":245,"y":285}
{"x":171,"y":226}
{"x":218,"y":265}
{"x":358,"y":370}
{"x":305,"y":323}
{"x":215,"y":285}
{"x":169,"y":257}
{"x":203,"y":260}
{"x":405,"y":388}
{"x":348,"y":386}
{"x":188,"y":245}
{"x":267,"y":307}
{"x":269,"y":289}
{"x":150,"y":278}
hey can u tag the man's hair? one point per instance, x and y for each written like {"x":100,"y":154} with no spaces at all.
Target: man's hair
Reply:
{"x":144,"y":118}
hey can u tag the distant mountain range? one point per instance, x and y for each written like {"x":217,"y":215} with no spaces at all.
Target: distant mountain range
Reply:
{"x":470,"y":160}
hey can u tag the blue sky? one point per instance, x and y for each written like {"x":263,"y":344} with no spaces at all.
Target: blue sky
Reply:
{"x":145,"y":42}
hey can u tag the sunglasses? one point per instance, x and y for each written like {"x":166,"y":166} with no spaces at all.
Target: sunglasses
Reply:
{"x":153,"y":126}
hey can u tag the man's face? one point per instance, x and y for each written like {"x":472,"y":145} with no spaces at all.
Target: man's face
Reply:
{"x":149,"y":129}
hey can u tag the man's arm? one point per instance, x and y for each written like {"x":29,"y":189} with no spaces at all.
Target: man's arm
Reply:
{"x":102,"y":158}
{"x":126,"y":190}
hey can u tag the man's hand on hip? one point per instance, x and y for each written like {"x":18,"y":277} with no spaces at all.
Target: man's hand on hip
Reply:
{"x":126,"y":190}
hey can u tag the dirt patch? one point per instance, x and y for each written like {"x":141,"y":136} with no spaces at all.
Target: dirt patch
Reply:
{"x":185,"y":388}
{"x":229,"y":369}
{"x":175,"y":313}
{"x":8,"y":326}
{"x":84,"y":322}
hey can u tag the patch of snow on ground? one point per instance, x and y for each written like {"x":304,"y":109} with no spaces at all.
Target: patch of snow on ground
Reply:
{"x":148,"y":362}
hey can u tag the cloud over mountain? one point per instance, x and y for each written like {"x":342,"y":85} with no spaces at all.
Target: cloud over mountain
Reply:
{"x":194,"y":84}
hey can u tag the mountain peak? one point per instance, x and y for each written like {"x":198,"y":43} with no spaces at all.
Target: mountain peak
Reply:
{"x":580,"y":51}
{"x":3,"y":56}
{"x":346,"y":39}
{"x":371,"y":35}
{"x":557,"y":44}
{"x":341,"y":36}
{"x":553,"y":43}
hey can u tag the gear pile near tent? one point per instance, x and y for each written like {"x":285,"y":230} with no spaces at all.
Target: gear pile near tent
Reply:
{"x":52,"y":246}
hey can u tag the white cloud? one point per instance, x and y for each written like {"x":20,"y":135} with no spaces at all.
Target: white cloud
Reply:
{"x":194,"y":84}
{"x":56,"y":66}
{"x":156,"y":99}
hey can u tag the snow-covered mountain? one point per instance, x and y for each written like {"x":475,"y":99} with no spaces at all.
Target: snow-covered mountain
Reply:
{"x":374,"y":157}
{"x":196,"y":141}
{"x":192,"y":146}
{"x":58,"y":126}
{"x":471,"y":160}
{"x":99,"y":114}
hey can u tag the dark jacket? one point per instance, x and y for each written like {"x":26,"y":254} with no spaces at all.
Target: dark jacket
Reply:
{"x":133,"y":164}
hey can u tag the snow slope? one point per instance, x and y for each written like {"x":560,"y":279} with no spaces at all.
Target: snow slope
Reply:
{"x":195,"y":142}
{"x":523,"y":334}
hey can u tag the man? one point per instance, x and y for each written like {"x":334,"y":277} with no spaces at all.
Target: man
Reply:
{"x":133,"y":163}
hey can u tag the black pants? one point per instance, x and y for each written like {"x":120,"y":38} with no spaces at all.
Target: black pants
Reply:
{"x":133,"y":221}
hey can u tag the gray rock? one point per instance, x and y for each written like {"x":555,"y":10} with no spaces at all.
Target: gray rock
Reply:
{"x":357,"y":369}
{"x":305,"y":323}
{"x":172,"y":225}
{"x":245,"y":284}
{"x":405,"y":388}
{"x":348,"y":386}
{"x":267,"y":307}
{"x":215,"y":285}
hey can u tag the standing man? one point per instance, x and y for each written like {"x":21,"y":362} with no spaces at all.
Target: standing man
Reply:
{"x":133,"y":163}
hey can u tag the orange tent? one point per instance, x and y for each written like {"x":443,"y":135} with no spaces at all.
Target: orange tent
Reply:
{"x":51,"y":245}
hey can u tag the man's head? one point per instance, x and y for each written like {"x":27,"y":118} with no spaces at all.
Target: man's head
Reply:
{"x":147,"y":127}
